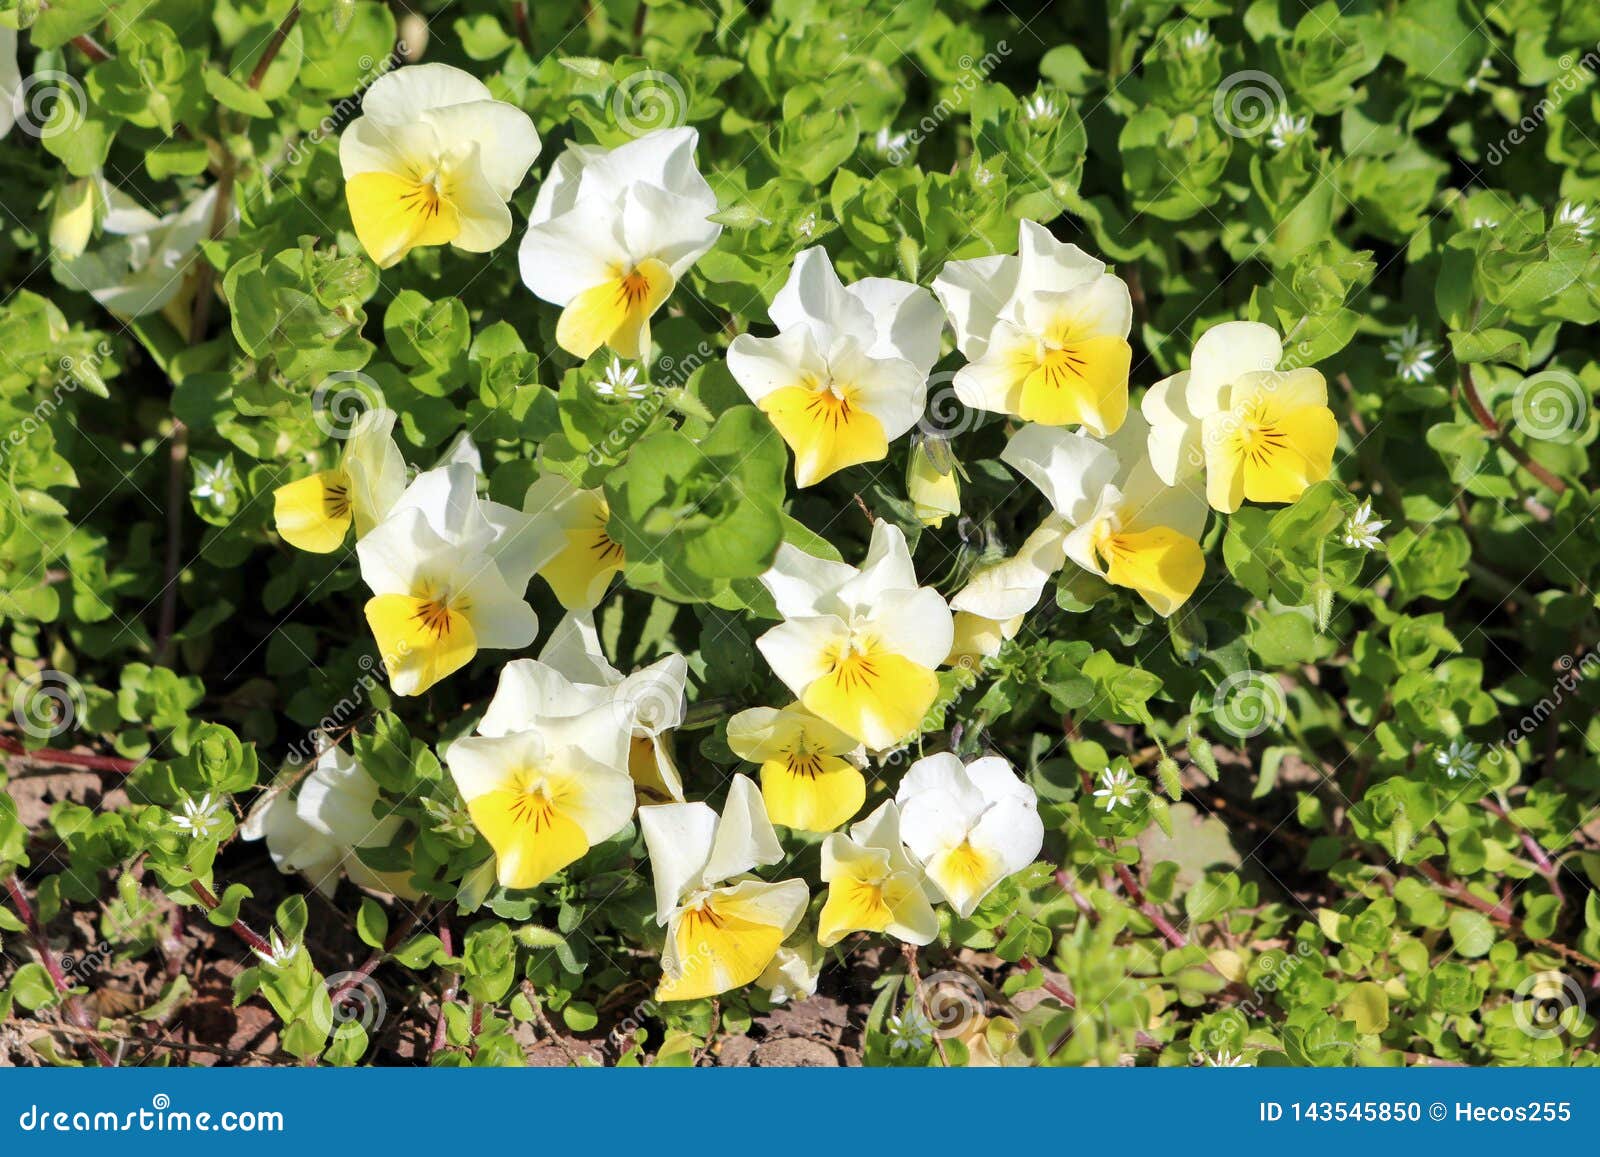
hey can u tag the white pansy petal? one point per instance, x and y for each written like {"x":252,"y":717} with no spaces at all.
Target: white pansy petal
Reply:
{"x":573,"y":649}
{"x":1223,"y":354}
{"x":1013,"y":586}
{"x":603,"y":803}
{"x":484,"y":218}
{"x":814,"y":296}
{"x":1102,"y":307}
{"x":1012,"y":832}
{"x":994,"y":776}
{"x":558,"y":192}
{"x":1046,"y":265}
{"x":917,"y":625}
{"x":375,"y":467}
{"x":664,"y":158}
{"x":892,"y":390}
{"x":943,"y":772}
{"x":804,"y":585}
{"x":1173,"y":443}
{"x":887,"y":567}
{"x":973,"y":293}
{"x":908,"y":320}
{"x":745,"y":837}
{"x":337,"y":798}
{"x":447,"y":498}
{"x":508,"y":144}
{"x":576,"y":251}
{"x":1071,"y":470}
{"x":500,"y":618}
{"x":402,"y":148}
{"x":670,"y":228}
{"x":881,"y":830}
{"x":1079,"y":545}
{"x":1148,"y":502}
{"x":394,"y":553}
{"x":593,"y":732}
{"x":406,"y":93}
{"x":654,"y":696}
{"x":530,"y":690}
{"x":762,"y":365}
{"x":678,"y":838}
{"x":780,"y":905}
{"x":480,"y":764}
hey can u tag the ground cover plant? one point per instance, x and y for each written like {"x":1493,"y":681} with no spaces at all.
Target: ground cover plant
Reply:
{"x":684,"y":533}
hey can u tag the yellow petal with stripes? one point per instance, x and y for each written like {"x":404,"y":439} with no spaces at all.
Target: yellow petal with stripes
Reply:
{"x":314,"y":513}
{"x":393,"y":215}
{"x":872,"y":695}
{"x":812,"y":792}
{"x":531,"y":837}
{"x":826,"y":429}
{"x":421,"y":640}
{"x":581,"y":572}
{"x":616,"y":313}
{"x":1163,"y":566}
{"x":1082,"y":382}
{"x":718,"y":949}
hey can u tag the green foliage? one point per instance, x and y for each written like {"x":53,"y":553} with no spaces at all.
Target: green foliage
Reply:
{"x":1362,"y":826}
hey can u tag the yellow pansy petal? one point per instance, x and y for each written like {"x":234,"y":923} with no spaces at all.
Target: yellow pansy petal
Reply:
{"x":855,"y":904}
{"x":811,"y":791}
{"x":421,"y":641}
{"x":314,"y":513}
{"x":827,"y":430}
{"x":645,"y":768}
{"x":718,"y":949}
{"x":616,"y":312}
{"x":1304,"y":456}
{"x":964,"y":873}
{"x":874,"y":696}
{"x":394,"y":214}
{"x":1161,"y":564}
{"x":581,"y":572}
{"x":1084,"y":382}
{"x":532,"y":839}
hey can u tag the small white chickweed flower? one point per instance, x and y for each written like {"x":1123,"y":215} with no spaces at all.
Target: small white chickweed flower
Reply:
{"x":215,"y":483}
{"x":621,"y":381}
{"x":1459,"y":760}
{"x":1195,"y":40}
{"x":1223,"y":1059}
{"x":1039,"y":109}
{"x":199,"y":817}
{"x":1411,"y":355}
{"x":1361,"y":529}
{"x":1578,"y":215}
{"x":1117,"y":788}
{"x":278,"y":954}
{"x":1287,"y":129}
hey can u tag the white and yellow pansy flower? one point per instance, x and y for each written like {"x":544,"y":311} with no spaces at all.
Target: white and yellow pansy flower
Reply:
{"x":872,"y":884}
{"x":847,"y":372}
{"x":571,"y":676}
{"x":612,"y":231}
{"x":859,"y":647}
{"x":1045,"y":333}
{"x":990,"y":608}
{"x":317,"y":832}
{"x":1125,"y":524}
{"x":448,"y":573}
{"x":542,"y":797}
{"x":1261,"y":434}
{"x":315,"y":512}
{"x":970,"y":825}
{"x":146,"y":262}
{"x":806,"y":781}
{"x":586,"y":558}
{"x":432,"y":160}
{"x":724,"y":927}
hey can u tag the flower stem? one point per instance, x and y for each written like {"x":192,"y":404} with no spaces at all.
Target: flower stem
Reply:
{"x":240,"y":929}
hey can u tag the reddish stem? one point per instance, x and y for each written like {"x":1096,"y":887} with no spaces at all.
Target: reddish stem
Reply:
{"x":240,"y":929}
{"x":452,"y":985}
{"x":91,"y":48}
{"x":1152,"y":913}
{"x":68,"y":758}
{"x":1484,"y":418}
{"x":274,"y":46}
{"x":1541,"y":858}
{"x":76,"y":1013}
